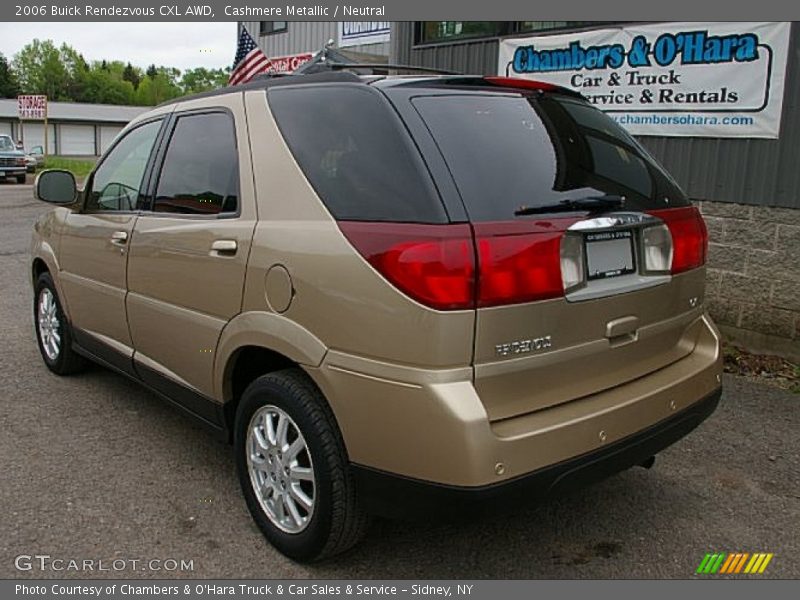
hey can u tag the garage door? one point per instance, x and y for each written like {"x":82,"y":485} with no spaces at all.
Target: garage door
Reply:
{"x":5,"y":128}
{"x":107,"y":135}
{"x":77,"y":140}
{"x":33,"y":135}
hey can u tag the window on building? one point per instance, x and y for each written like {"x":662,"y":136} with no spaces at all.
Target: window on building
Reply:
{"x":440,"y":31}
{"x":550,"y":25}
{"x":200,"y":175}
{"x":269,"y":27}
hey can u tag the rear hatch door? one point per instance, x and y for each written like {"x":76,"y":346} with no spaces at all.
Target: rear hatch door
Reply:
{"x":573,"y":224}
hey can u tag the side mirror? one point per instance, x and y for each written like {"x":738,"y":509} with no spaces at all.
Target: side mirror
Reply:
{"x":56,"y":186}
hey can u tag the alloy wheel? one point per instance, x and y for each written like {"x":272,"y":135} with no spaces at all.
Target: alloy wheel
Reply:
{"x":281,"y":470}
{"x":49,"y":325}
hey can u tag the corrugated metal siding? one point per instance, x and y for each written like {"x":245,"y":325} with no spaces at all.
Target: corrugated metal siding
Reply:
{"x":746,"y":171}
{"x":468,"y":56}
{"x":301,"y":36}
{"x":306,"y":36}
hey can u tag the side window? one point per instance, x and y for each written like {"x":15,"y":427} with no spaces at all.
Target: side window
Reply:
{"x":116,"y":182}
{"x":200,"y":175}
{"x":356,"y":154}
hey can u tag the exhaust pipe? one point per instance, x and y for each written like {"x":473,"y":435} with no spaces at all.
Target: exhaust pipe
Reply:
{"x":648,"y":462}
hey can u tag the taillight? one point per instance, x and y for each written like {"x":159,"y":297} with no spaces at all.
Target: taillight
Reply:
{"x":433,"y":264}
{"x":517,"y":267}
{"x":689,"y":237}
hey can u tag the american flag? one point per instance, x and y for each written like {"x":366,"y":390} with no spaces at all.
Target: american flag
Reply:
{"x":250,"y":60}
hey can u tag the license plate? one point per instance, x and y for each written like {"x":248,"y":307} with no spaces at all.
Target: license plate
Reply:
{"x":609,"y":254}
{"x":2,"y":173}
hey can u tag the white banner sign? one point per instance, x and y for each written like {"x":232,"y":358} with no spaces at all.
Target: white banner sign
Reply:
{"x":355,"y":33}
{"x":670,"y":79}
{"x":32,"y":107}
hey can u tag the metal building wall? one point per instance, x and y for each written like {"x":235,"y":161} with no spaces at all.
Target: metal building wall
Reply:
{"x":306,"y":36}
{"x":469,"y":56}
{"x":745,"y":171}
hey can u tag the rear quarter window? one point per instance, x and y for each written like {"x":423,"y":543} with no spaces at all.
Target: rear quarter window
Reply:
{"x":356,"y":153}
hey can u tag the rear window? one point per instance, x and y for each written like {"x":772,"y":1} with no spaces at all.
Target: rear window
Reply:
{"x":508,"y":152}
{"x":356,"y":154}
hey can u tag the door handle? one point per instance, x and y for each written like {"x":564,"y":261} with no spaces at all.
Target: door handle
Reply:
{"x":622,"y":331}
{"x":119,"y":237}
{"x":225,"y":247}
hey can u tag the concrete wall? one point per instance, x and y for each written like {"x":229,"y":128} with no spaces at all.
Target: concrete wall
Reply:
{"x":754,"y":275}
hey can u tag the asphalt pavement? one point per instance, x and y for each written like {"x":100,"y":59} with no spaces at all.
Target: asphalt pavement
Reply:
{"x":93,"y":467}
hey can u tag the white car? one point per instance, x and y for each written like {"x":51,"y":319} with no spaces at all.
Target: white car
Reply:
{"x":34,"y":159}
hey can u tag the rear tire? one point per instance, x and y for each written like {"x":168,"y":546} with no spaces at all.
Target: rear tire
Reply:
{"x":53,"y":333}
{"x":278,"y":480}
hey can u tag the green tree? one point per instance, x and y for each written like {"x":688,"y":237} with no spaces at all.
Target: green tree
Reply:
{"x":63,"y":74}
{"x":132,"y":74}
{"x":77,"y":72}
{"x":104,"y":86}
{"x":202,"y":79}
{"x":40,"y":70}
{"x":159,"y":85}
{"x":9,"y":86}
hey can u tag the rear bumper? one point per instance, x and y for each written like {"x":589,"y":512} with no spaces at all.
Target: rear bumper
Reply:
{"x":431,"y":426}
{"x":391,"y":495}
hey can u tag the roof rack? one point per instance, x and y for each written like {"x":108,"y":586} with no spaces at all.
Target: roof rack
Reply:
{"x":269,"y":82}
{"x":269,"y":75}
{"x":388,"y":66}
{"x":330,"y":59}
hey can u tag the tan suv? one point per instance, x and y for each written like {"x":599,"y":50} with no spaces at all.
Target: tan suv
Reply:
{"x":390,"y":293}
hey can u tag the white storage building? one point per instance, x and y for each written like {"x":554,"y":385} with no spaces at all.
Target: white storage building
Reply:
{"x":74,"y":129}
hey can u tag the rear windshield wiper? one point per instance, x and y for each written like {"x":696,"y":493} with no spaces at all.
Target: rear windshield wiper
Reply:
{"x":588,"y":203}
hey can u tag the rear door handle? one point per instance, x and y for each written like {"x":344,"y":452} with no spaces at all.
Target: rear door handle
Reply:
{"x":119,"y":237}
{"x":224,"y":247}
{"x":622,"y":331}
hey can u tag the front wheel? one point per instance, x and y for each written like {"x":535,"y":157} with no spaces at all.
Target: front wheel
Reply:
{"x":52,"y":329}
{"x":293,"y":468}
